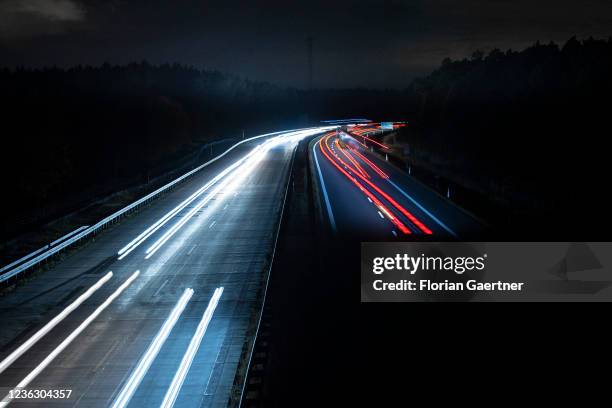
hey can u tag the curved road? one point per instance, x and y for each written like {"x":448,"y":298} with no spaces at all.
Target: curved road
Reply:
{"x":366,"y":198}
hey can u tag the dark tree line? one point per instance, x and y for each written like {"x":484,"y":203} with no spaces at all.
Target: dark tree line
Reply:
{"x":86,"y":130}
{"x":529,"y":129}
{"x":80,"y":131}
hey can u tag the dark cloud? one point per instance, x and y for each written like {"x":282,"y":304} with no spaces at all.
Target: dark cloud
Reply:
{"x":376,"y":43}
{"x":31,"y":18}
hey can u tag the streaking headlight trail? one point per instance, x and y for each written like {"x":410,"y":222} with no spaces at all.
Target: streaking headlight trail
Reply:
{"x":10,"y":359}
{"x":66,"y":342}
{"x":123,"y":252}
{"x":234,"y":174}
{"x":237,"y":175}
{"x":194,"y":344}
{"x":147,"y":359}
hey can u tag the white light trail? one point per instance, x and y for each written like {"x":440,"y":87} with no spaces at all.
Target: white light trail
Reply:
{"x":10,"y":359}
{"x":230,"y":172}
{"x":235,"y":178}
{"x":66,"y":342}
{"x":241,"y":171}
{"x":194,"y":344}
{"x":123,"y":252}
{"x":138,"y":240}
{"x":147,"y":359}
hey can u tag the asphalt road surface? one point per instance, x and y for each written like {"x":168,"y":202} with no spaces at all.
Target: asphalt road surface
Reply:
{"x":366,"y":198}
{"x":136,"y":345}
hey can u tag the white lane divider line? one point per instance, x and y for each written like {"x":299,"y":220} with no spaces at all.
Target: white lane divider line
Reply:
{"x":194,"y":344}
{"x":129,"y":388}
{"x":330,"y":214}
{"x":227,"y":185}
{"x":433,"y":217}
{"x":160,"y":288}
{"x":283,"y":137}
{"x":211,"y":225}
{"x":103,"y":360}
{"x":206,"y":392}
{"x":381,"y":216}
{"x":168,"y":234}
{"x":40,"y":367}
{"x":123,"y":252}
{"x":10,"y":359}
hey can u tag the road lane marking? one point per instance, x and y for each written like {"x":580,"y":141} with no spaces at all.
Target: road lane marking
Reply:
{"x":123,"y":252}
{"x":227,"y":183}
{"x":433,"y":217}
{"x":66,"y":342}
{"x":148,"y":357}
{"x":194,"y":345}
{"x":365,"y":191}
{"x":330,"y":214}
{"x":280,"y":136}
{"x":138,"y":240}
{"x":381,"y":216}
{"x":54,"y":322}
{"x":211,"y":225}
{"x":212,"y":371}
{"x":103,"y":360}
{"x":160,"y":288}
{"x":229,"y":172}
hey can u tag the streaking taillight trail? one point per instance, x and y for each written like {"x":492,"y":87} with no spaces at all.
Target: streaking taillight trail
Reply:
{"x":372,"y":197}
{"x":341,"y":165}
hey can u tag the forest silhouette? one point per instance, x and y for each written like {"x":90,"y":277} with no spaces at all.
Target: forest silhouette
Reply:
{"x":527,"y":129}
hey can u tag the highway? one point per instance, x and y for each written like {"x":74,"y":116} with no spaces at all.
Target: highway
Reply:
{"x":168,"y":326}
{"x":366,"y":198}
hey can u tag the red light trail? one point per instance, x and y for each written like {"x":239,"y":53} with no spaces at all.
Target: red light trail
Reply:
{"x":376,"y":201}
{"x":339,"y":164}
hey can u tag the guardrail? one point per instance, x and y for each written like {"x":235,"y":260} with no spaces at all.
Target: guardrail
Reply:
{"x":11,"y":270}
{"x":65,"y":237}
{"x":31,"y":254}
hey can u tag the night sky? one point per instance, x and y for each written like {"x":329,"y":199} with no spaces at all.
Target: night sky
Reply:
{"x":368,"y":43}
